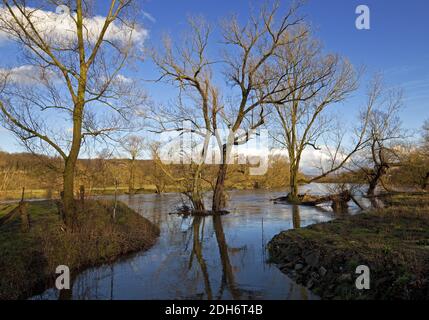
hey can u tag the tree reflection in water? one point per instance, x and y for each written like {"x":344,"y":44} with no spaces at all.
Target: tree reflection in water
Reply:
{"x":228,"y":280}
{"x":228,"y":276}
{"x":198,"y":253}
{"x":296,"y":218}
{"x":221,"y":257}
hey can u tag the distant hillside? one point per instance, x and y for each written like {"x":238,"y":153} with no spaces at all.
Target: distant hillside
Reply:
{"x":41,"y":175}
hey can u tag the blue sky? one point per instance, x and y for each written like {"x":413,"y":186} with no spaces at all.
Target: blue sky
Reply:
{"x":397,"y":44}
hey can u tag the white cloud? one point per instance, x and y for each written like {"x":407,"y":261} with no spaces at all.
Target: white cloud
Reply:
{"x":31,"y":75}
{"x":148,"y":16}
{"x":60,"y":28}
{"x":123,"y":79}
{"x":26,"y":74}
{"x":311,"y":159}
{"x":3,"y":38}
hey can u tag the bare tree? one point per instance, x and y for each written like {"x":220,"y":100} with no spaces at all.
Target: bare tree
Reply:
{"x":314,"y":83}
{"x":249,"y":71}
{"x":384,"y":136}
{"x":156,"y":174}
{"x":134,"y":146}
{"x":198,"y":103}
{"x":73,"y":67}
{"x":96,"y":172}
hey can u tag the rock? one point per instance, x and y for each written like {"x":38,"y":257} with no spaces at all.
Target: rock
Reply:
{"x":344,"y":278}
{"x":312,"y":259}
{"x":322,"y":271}
{"x":292,"y":252}
{"x":286,"y":267}
{"x":382,"y":280}
{"x":329,"y":296}
{"x":306,"y":269}
{"x":310,"y":284}
{"x":298,"y":266}
{"x":315,"y":276}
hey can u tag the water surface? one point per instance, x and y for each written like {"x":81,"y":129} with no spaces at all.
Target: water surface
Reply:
{"x":204,"y":258}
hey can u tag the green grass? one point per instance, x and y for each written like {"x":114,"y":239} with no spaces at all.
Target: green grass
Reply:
{"x":6,"y":209}
{"x":28,"y":194}
{"x":46,"y":194}
{"x":412,"y":200}
{"x":29,"y":259}
{"x":393,"y":242}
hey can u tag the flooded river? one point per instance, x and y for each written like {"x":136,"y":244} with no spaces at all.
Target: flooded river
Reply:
{"x":204,"y":258}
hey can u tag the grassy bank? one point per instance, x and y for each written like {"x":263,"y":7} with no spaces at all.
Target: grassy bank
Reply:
{"x":16,"y":195}
{"x":29,"y":259}
{"x":393,"y":242}
{"x":12,"y":195}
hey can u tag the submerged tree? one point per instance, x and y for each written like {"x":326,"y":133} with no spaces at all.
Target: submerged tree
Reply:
{"x":70,"y":87}
{"x":251,"y":70}
{"x":188,"y":68}
{"x":248,"y":67}
{"x":314,"y":83}
{"x":384,"y":136}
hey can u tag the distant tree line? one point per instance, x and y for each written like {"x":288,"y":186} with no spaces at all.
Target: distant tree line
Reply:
{"x":98,"y":175}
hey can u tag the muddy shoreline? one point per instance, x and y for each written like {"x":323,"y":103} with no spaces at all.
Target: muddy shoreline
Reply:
{"x":393,"y":243}
{"x":29,"y":271}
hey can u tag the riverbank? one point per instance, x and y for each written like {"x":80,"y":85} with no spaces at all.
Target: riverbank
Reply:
{"x":393,"y":242}
{"x":43,"y":194}
{"x":29,"y":259}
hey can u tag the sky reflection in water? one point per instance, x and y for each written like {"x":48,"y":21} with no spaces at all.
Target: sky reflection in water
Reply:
{"x":204,"y":258}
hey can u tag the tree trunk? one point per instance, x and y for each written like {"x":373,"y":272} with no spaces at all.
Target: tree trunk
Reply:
{"x":69,"y":204}
{"x":379,"y":172}
{"x":132,"y":177}
{"x":219,"y":191}
{"x":71,"y":161}
{"x":293,"y":183}
{"x":425,"y":181}
{"x":196,"y":196}
{"x":197,"y":200}
{"x":371,"y":188}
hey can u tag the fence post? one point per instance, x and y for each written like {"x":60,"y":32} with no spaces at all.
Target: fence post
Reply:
{"x":82,"y":194}
{"x":116,"y":199}
{"x":25,"y":219}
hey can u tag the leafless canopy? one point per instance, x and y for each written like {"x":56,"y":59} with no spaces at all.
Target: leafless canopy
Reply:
{"x":68,"y":59}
